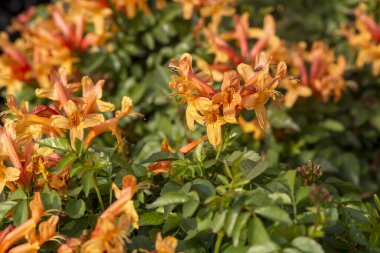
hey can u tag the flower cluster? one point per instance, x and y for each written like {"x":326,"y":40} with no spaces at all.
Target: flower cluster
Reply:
{"x":68,"y":115}
{"x":71,"y":28}
{"x":317,"y":70}
{"x":365,"y":36}
{"x":213,"y":108}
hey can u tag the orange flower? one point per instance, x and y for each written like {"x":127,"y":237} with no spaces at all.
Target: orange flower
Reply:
{"x":252,"y":127}
{"x":111,"y":124}
{"x":130,"y":6}
{"x":263,"y":86}
{"x":8,"y":175}
{"x":76,"y":121}
{"x":203,"y":111}
{"x":25,"y":229}
{"x":188,"y":7}
{"x":229,"y":97}
{"x":293,"y":91}
{"x":110,"y":234}
{"x":92,"y":94}
{"x":166,"y":245}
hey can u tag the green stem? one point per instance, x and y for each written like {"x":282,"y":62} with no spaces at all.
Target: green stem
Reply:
{"x":98,"y":194}
{"x":219,"y":241}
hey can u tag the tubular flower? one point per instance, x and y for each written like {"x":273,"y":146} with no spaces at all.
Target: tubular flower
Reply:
{"x":8,"y":175}
{"x":203,"y":111}
{"x":110,"y":234}
{"x":166,"y":245}
{"x":324,"y":76}
{"x":111,"y":124}
{"x":130,"y":6}
{"x":260,"y":86}
{"x":229,"y":96}
{"x":27,"y":230}
{"x":365,"y":36}
{"x":252,"y":127}
{"x":76,"y":121}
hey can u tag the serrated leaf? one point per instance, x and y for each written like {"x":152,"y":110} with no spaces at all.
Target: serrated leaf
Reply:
{"x":170,"y":198}
{"x":75,"y":208}
{"x":256,"y":171}
{"x":273,"y":213}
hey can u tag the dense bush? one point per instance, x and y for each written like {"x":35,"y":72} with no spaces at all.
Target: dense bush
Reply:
{"x":201,"y":160}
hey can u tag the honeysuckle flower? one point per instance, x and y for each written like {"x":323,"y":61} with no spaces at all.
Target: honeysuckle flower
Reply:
{"x":131,"y":6}
{"x":252,"y":127}
{"x":293,"y":91}
{"x":59,"y":89}
{"x":217,"y":10}
{"x":188,"y":82}
{"x":365,"y":37}
{"x":332,"y":83}
{"x":91,"y":96}
{"x":8,"y":175}
{"x":110,"y":234}
{"x":7,"y":145}
{"x":47,"y":231}
{"x":111,"y":124}
{"x":203,"y":111}
{"x":188,"y":7}
{"x":76,"y":121}
{"x":229,"y":96}
{"x":263,"y":86}
{"x":26,"y":228}
{"x":166,"y":245}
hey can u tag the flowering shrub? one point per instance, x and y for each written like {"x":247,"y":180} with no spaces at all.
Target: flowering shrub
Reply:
{"x":179,"y":126}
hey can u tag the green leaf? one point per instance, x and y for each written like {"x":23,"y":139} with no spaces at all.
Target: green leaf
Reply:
{"x":252,"y":155}
{"x":160,"y":156}
{"x":257,"y":234}
{"x":170,"y":198}
{"x":307,"y":245}
{"x":20,"y":214}
{"x":357,"y":236}
{"x":240,"y":224}
{"x":51,"y":199}
{"x":290,"y":180}
{"x":56,"y":143}
{"x":218,"y":221}
{"x":256,"y":171}
{"x":66,"y":161}
{"x":204,"y":188}
{"x":268,"y":247}
{"x":274,"y":213}
{"x":17,"y":195}
{"x":151,"y":218}
{"x":230,"y":221}
{"x":75,"y":169}
{"x":302,"y":194}
{"x":75,"y":208}
{"x":88,"y":181}
{"x":333,"y":125}
{"x":189,"y":208}
{"x":5,"y":207}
